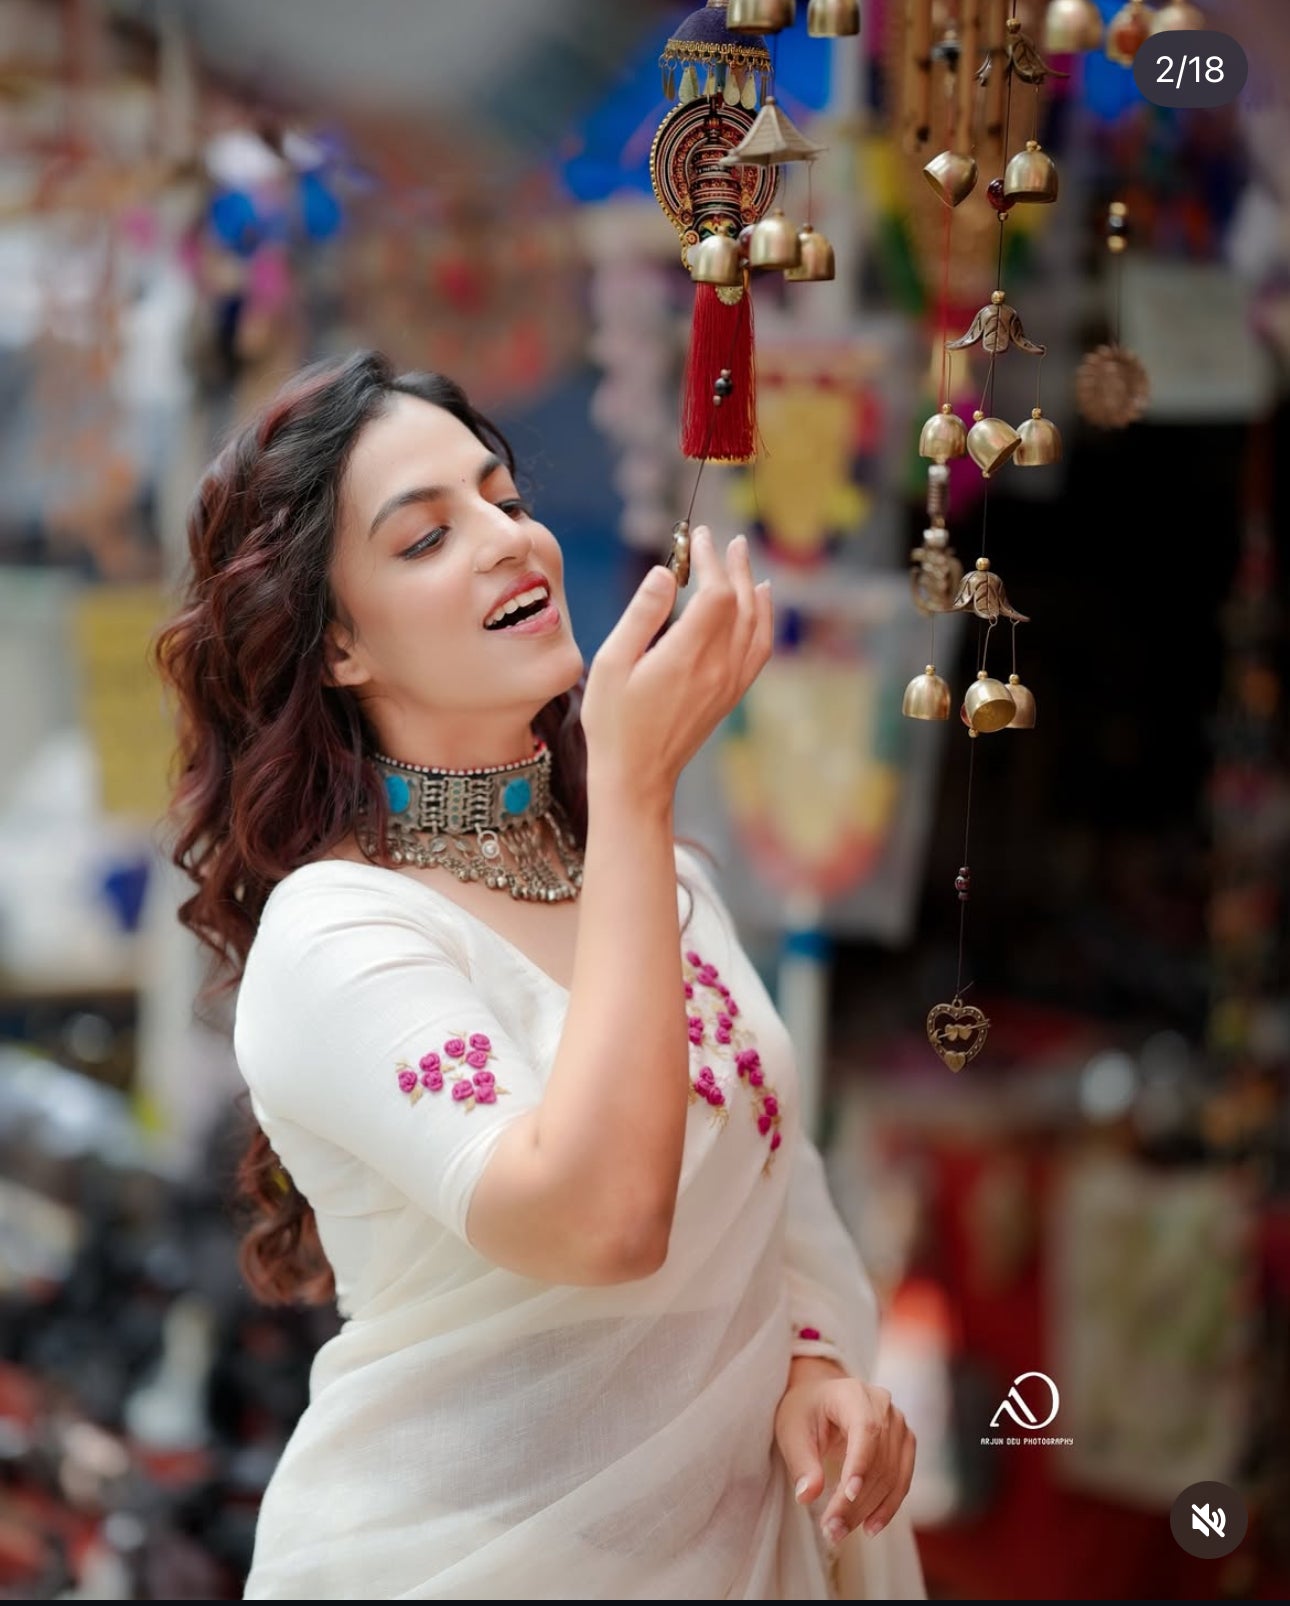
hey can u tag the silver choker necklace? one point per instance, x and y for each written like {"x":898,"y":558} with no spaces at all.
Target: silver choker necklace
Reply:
{"x":472,"y":821}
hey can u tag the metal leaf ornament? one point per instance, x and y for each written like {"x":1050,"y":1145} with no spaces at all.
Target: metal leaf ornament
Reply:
{"x":1022,"y":57}
{"x":997,"y":327}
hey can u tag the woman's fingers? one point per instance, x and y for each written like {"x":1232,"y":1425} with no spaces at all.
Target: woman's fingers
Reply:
{"x":878,"y":1520}
{"x":865,"y":1477}
{"x":739,"y":570}
{"x":762,"y":639}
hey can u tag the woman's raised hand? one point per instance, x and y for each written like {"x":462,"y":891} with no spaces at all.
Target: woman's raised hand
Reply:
{"x":647,"y":713}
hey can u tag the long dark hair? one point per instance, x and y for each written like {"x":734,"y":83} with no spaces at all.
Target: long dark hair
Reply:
{"x":272,"y":766}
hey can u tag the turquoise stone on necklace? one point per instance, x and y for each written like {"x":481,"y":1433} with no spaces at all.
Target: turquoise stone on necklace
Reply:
{"x":517,"y":796}
{"x":397,"y":793}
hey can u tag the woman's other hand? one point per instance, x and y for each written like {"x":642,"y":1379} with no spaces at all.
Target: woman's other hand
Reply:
{"x":647,"y":713}
{"x":825,"y":1416}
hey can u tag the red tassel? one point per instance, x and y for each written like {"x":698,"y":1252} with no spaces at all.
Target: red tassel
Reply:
{"x":721,"y":336}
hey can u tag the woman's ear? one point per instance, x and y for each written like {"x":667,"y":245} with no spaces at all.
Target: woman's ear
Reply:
{"x":344,"y":666}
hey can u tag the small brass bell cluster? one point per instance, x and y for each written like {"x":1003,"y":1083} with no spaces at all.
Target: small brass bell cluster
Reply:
{"x":1071,"y":26}
{"x":943,"y":436}
{"x":833,"y":19}
{"x":989,"y":705}
{"x":991,"y":442}
{"x":803,"y":254}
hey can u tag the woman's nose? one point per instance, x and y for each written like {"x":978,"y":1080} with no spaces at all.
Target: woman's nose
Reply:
{"x":503,"y":536}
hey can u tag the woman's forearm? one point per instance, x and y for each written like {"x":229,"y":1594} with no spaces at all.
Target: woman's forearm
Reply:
{"x":612,"y":1121}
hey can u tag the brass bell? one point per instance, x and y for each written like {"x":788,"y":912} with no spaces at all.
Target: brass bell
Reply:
{"x":926,"y":697}
{"x":774,"y":243}
{"x":1024,"y":701}
{"x":1041,"y":442}
{"x":1126,"y":33}
{"x":816,"y":264}
{"x":952,"y":176}
{"x":991,"y":442}
{"x":1031,"y":175}
{"x":716,"y":260}
{"x":1072,"y":25}
{"x":759,"y":16}
{"x":832,"y":19}
{"x":1178,"y":14}
{"x":943,"y":436}
{"x":989,"y":704}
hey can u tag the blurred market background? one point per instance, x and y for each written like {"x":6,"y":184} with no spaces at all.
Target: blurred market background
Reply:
{"x":196,"y":196}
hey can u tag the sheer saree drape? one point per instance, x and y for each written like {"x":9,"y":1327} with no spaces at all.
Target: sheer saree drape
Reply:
{"x":474,"y":1434}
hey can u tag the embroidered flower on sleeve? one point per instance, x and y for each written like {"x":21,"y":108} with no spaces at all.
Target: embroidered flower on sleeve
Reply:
{"x":469,"y":1079}
{"x":810,"y":1335}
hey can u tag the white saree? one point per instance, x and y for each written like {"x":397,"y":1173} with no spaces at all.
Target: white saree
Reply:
{"x":474,"y":1434}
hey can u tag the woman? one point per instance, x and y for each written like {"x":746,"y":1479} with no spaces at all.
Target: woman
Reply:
{"x":603,"y":1328}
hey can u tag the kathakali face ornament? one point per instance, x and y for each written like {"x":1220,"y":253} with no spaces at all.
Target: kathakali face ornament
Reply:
{"x":718,"y":78}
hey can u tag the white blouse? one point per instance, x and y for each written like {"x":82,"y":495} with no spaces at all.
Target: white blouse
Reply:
{"x":476,"y":1434}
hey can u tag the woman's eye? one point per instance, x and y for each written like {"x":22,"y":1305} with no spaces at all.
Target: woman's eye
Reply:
{"x":516,"y":507}
{"x":427,"y":542}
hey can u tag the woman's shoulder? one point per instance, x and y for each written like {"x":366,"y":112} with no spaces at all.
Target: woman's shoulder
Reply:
{"x":341,"y":899}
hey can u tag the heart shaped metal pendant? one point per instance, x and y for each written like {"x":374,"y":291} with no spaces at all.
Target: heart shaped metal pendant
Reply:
{"x":957,"y":1032}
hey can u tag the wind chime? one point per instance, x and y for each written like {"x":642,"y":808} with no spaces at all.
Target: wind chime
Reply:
{"x":715,"y":166}
{"x":957,"y":1030}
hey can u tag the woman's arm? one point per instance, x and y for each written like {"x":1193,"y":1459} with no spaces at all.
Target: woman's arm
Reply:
{"x":582,"y":1189}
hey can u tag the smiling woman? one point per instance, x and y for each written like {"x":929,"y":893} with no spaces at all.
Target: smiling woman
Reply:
{"x":545,"y":1149}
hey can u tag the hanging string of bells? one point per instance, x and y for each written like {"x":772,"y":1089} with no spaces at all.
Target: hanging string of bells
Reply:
{"x":957,"y":1031}
{"x":715,"y":167}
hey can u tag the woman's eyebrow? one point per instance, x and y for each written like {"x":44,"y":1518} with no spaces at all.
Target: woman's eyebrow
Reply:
{"x":428,"y":493}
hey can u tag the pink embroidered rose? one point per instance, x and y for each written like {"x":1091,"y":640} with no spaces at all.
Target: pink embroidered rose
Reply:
{"x":429,"y":1062}
{"x":755,"y":1077}
{"x":723,"y":989}
{"x":810,"y":1334}
{"x":454,"y":1048}
{"x":689,"y":989}
{"x":477,"y":1059}
{"x":714,"y":1095}
{"x":705,"y":1077}
{"x":732,"y":1006}
{"x":696,"y":1032}
{"x":748,"y":1059}
{"x":433,"y":1080}
{"x":478,"y":1040}
{"x":723,"y":1020}
{"x":770,"y":1104}
{"x":723,"y":1034}
{"x":485,"y":1092}
{"x":775,"y":1140}
{"x":463,"y":1089}
{"x":693,"y":958}
{"x":763,"y":1124}
{"x":484,"y":1079}
{"x":707,"y":975}
{"x":407,"y":1080}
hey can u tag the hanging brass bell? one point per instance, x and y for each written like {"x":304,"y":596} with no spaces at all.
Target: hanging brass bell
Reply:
{"x":773,"y":243}
{"x":926,"y":697}
{"x":759,"y":16}
{"x":1041,"y":442}
{"x":1031,"y":175}
{"x":1023,"y":700}
{"x":952,"y":176}
{"x":716,"y":260}
{"x":833,"y":19}
{"x":943,"y":436}
{"x":1072,"y":25}
{"x":989,"y":704}
{"x":991,"y":442}
{"x":1126,"y":33}
{"x":1178,"y":14}
{"x":816,"y":263}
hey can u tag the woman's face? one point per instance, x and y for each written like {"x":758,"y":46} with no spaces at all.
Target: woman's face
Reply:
{"x":432,"y":538}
